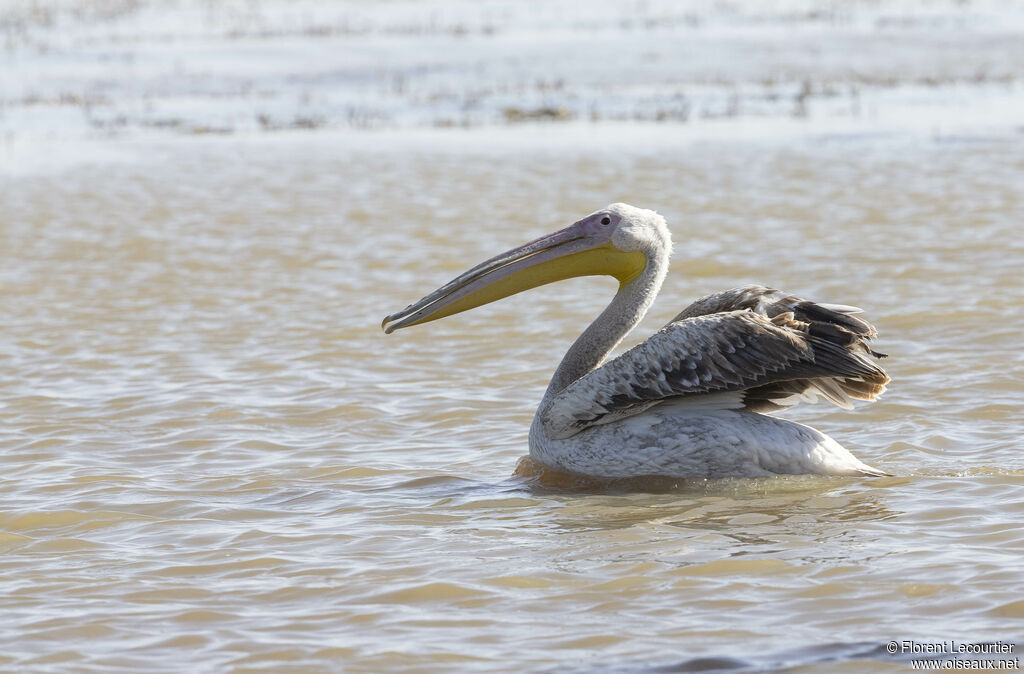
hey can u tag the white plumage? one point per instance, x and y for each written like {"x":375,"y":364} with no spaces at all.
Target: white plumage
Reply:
{"x":693,"y":400}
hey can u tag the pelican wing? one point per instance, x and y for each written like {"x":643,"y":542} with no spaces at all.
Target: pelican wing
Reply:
{"x":770,"y":302}
{"x":770,"y":353}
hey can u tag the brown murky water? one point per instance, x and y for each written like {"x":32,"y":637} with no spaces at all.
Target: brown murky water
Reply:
{"x":211,"y":458}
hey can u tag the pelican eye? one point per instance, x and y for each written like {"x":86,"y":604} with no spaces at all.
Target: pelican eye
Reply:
{"x":606,"y":220}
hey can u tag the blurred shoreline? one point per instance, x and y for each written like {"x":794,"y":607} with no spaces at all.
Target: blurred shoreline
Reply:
{"x":89,"y":71}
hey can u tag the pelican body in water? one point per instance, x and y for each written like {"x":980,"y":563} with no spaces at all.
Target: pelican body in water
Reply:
{"x":693,"y":400}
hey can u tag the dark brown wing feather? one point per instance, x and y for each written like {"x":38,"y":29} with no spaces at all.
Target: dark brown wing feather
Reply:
{"x":770,"y":348}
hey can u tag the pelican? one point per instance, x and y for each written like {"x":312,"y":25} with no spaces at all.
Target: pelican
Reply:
{"x":696,"y":398}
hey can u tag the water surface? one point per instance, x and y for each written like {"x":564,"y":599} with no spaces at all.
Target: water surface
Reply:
{"x":212,"y":455}
{"x":212,"y":459}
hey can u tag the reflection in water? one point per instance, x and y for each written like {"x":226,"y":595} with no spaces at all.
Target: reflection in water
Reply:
{"x":758,"y":518}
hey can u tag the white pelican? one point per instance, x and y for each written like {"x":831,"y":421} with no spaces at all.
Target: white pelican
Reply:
{"x":694,"y":400}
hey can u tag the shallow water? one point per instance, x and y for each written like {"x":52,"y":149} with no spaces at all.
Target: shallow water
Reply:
{"x":213,"y":457}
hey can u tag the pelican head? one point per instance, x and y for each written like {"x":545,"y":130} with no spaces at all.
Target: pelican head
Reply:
{"x":615,"y":241}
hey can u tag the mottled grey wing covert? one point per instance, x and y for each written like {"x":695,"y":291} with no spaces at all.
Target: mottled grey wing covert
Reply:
{"x":769,"y":348}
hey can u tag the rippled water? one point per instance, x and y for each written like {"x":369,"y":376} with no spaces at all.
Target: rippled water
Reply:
{"x":213,"y":459}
